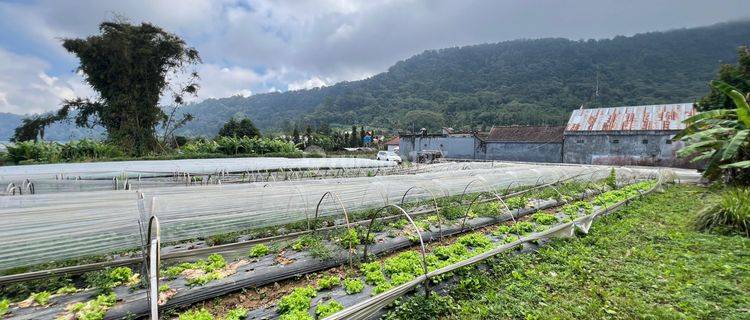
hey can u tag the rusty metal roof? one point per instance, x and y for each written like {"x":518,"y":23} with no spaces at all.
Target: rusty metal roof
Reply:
{"x":632,"y":118}
{"x":526,"y":134}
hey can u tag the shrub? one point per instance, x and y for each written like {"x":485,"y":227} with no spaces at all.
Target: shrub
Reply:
{"x":41,"y":151}
{"x":236,"y":314}
{"x":67,"y":290}
{"x":475,"y":240}
{"x":41,"y":298}
{"x":409,"y":262}
{"x":259,"y":250}
{"x":201,"y":314}
{"x":451,"y":212}
{"x":204,"y":278}
{"x":611,"y":180}
{"x":522,"y":227}
{"x":516,"y":202}
{"x":326,"y":309}
{"x":299,"y":300}
{"x":164,"y":288}
{"x":353,"y":285}
{"x":328,"y":282}
{"x":453,"y":253}
{"x":731,"y":212}
{"x":4,"y":305}
{"x":121,"y":274}
{"x":296,"y":315}
{"x":210,"y":267}
{"x":373,"y":273}
{"x":381,"y":287}
{"x":95,"y":309}
{"x":349,"y":238}
{"x":421,"y":307}
{"x":544,"y":218}
{"x":304,"y":242}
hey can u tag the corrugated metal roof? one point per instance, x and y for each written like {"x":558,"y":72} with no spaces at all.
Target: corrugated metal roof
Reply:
{"x":526,"y":134}
{"x":632,"y":118}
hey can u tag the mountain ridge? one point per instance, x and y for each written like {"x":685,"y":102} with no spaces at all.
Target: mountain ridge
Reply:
{"x":522,"y":81}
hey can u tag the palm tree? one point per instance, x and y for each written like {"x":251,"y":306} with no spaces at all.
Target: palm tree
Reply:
{"x":721,"y":138}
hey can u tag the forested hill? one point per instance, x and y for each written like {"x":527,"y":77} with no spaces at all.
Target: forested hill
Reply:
{"x":512,"y":82}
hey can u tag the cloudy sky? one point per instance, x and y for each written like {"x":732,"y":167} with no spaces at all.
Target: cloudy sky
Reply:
{"x":258,"y":46}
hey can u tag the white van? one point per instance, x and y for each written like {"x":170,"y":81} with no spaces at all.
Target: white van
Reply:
{"x":389,"y":156}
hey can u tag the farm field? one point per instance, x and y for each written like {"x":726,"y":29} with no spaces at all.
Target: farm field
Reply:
{"x":643,"y":261}
{"x":444,"y":203}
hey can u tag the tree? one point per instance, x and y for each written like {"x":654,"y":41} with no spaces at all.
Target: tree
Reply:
{"x":242,"y":128}
{"x":721,"y":137}
{"x":324,"y":129}
{"x":353,"y":141}
{"x":295,"y":135}
{"x":128,"y":66}
{"x":432,"y":121}
{"x":33,"y":128}
{"x":737,"y":76}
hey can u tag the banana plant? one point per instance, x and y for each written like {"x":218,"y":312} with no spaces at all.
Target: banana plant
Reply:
{"x":719,"y":137}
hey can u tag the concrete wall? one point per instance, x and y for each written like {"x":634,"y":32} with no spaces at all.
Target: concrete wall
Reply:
{"x":524,"y":151}
{"x":469,"y":147}
{"x":461,"y":147}
{"x":623,"y":148}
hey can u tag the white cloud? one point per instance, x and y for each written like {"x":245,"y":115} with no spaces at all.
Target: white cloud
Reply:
{"x":257,"y":46}
{"x":314,"y":82}
{"x":26,"y":88}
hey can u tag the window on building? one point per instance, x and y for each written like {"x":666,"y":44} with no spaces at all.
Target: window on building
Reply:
{"x":615,"y":141}
{"x":579,"y":141}
{"x":644,"y":141}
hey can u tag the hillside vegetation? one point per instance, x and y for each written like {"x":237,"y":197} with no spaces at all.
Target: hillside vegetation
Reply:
{"x":512,"y":82}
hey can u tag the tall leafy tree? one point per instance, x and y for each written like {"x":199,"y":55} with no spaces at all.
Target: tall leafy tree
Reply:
{"x":737,"y":76}
{"x":242,"y":128}
{"x":128,"y":65}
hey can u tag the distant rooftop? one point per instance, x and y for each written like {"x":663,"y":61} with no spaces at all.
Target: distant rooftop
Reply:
{"x":526,"y":134}
{"x":631,"y":118}
{"x":393,"y":142}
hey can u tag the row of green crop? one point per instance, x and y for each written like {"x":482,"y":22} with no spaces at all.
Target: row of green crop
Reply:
{"x":404,"y":267}
{"x":30,"y":151}
{"x":237,"y":146}
{"x":93,"y":150}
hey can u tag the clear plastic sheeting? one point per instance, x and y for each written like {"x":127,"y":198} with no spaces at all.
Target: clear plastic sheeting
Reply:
{"x":108,"y":170}
{"x":53,"y":227}
{"x":122,"y":175}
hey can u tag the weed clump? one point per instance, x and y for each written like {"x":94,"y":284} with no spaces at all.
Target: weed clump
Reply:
{"x":731,"y":212}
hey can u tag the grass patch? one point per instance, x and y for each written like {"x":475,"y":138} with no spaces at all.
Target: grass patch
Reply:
{"x":644,"y":261}
{"x":729,"y":212}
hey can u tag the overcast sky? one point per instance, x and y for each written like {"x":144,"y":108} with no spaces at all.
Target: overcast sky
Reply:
{"x":250,"y":47}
